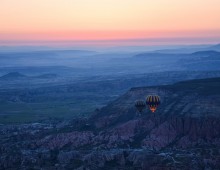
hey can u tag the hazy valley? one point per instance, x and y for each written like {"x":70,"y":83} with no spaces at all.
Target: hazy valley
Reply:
{"x":75,"y":109}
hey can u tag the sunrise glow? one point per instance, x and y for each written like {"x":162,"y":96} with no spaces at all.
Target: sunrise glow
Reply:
{"x":97,"y":20}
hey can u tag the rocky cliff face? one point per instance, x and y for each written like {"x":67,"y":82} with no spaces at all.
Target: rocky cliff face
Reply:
{"x":188,"y":116}
{"x":184,"y":133}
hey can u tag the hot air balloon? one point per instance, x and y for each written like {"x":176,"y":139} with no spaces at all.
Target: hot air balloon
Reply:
{"x":140,"y":105}
{"x":153,"y":102}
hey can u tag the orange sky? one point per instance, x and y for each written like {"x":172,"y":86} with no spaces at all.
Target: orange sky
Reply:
{"x":72,"y":20}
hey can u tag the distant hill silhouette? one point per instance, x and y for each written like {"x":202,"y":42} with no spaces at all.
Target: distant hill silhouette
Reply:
{"x":17,"y":76}
{"x":210,"y":52}
{"x":189,"y":49}
{"x":215,"y":47}
{"x":12,"y":76}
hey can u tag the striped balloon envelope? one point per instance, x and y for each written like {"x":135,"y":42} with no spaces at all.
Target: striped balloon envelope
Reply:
{"x":153,"y":101}
{"x":140,"y":105}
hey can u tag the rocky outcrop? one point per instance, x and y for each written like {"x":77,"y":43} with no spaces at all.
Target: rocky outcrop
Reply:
{"x":75,"y":139}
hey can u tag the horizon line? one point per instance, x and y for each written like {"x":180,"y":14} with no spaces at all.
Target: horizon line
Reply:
{"x":117,"y":42}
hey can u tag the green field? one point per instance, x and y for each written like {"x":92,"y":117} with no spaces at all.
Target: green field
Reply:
{"x":30,"y":112}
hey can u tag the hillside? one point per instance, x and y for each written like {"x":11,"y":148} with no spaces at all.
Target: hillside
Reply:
{"x":195,"y":98}
{"x":116,"y":137}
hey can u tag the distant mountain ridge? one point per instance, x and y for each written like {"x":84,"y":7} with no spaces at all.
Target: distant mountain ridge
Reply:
{"x":12,"y":75}
{"x":196,"y":61}
{"x":210,"y":52}
{"x":215,"y":47}
{"x":202,"y":52}
{"x":18,"y":76}
{"x":188,"y":50}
